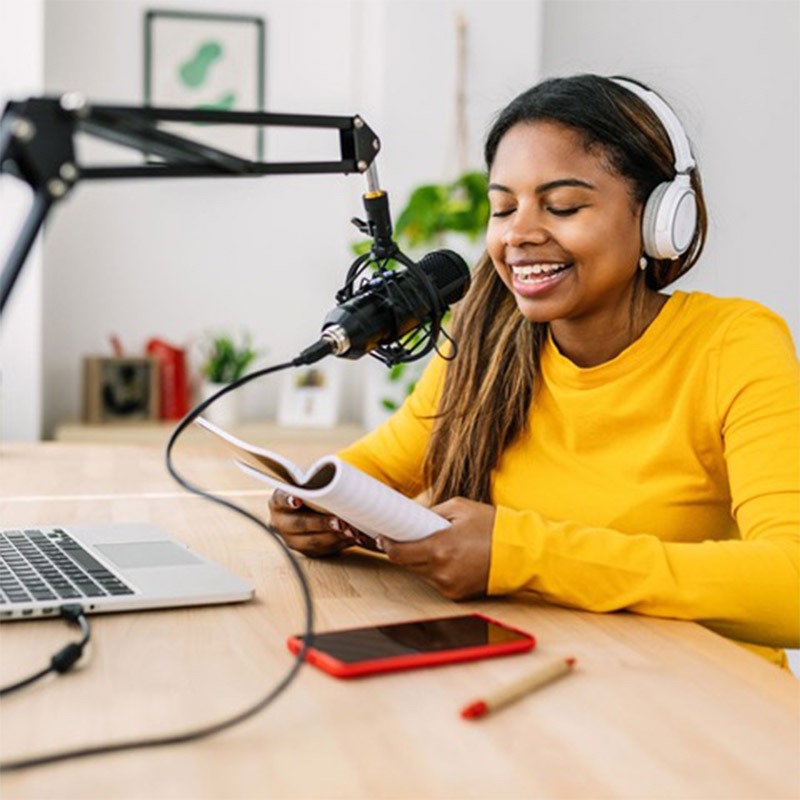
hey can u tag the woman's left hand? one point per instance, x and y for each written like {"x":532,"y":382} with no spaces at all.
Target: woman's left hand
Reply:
{"x":455,"y":560}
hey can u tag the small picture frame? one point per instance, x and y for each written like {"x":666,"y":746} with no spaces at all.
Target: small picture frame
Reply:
{"x":310,"y":397}
{"x":120,"y":390}
{"x":207,"y":61}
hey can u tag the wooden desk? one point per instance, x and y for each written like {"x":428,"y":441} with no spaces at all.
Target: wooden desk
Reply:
{"x":656,"y":708}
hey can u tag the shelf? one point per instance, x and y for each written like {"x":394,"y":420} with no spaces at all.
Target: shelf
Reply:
{"x":268,"y":433}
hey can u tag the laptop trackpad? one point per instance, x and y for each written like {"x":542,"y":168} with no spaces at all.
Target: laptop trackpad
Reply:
{"x":147,"y":554}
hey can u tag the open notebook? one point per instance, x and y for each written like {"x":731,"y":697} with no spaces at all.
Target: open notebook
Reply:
{"x":334,"y":486}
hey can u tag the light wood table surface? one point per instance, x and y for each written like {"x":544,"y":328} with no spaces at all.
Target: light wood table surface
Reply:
{"x":654,"y":709}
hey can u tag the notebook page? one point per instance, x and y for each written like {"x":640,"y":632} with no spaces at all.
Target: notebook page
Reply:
{"x":259,"y":458}
{"x":363,"y":502}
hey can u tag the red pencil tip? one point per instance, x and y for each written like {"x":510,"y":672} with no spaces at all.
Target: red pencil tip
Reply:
{"x":474,"y":710}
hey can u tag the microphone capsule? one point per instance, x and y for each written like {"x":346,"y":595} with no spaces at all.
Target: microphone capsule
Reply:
{"x":390,"y":306}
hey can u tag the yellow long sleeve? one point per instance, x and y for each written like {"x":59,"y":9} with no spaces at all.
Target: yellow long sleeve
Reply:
{"x":665,"y":482}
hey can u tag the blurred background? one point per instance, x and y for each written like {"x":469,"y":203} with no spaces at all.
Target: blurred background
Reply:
{"x":123,"y":262}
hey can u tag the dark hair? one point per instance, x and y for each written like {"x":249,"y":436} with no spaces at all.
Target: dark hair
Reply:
{"x":489,"y":388}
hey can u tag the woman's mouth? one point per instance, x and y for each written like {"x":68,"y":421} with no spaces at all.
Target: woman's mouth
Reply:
{"x":531,"y":279}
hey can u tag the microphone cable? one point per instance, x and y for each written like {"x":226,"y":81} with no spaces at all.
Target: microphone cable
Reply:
{"x":415,"y":344}
{"x":191,"y":735}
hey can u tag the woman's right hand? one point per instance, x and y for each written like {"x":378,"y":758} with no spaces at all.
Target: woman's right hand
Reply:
{"x":310,"y":532}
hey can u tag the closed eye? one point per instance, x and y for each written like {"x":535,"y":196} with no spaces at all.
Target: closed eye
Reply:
{"x":565,"y":212}
{"x":503,"y":213}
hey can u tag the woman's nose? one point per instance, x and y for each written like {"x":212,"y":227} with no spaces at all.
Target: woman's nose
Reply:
{"x":525,"y":229}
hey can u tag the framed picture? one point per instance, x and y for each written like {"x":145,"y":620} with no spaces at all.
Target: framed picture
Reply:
{"x":120,"y":389}
{"x":310,"y":397}
{"x":207,"y":61}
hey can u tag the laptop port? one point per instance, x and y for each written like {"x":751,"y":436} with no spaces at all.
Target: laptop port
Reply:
{"x":27,"y":612}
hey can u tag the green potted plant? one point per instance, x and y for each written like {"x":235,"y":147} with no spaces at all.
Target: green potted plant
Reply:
{"x":225,"y":360}
{"x":435,"y":210}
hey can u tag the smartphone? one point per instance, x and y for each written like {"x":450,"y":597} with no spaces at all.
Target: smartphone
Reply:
{"x":356,"y":652}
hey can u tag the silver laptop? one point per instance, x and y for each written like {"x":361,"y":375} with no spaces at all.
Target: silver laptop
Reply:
{"x":115,"y":567}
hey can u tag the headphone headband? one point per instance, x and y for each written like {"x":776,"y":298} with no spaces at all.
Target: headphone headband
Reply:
{"x":677,"y":135}
{"x":669,"y":218}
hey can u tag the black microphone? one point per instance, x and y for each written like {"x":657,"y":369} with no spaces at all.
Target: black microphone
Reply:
{"x":391,"y":305}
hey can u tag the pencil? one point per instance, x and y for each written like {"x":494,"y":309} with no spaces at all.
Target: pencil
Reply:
{"x":547,"y":673}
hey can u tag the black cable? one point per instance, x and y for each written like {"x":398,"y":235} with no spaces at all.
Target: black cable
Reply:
{"x":181,"y":737}
{"x":394,"y":353}
{"x":64,"y":659}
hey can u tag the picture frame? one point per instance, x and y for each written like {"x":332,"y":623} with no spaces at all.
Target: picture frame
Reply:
{"x":310,"y":396}
{"x":207,"y":61}
{"x":120,"y":390}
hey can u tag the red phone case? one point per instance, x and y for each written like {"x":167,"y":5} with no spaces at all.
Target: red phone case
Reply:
{"x":341,"y":669}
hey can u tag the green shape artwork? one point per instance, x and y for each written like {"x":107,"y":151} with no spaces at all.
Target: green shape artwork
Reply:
{"x":225,"y":102}
{"x":195,"y":71}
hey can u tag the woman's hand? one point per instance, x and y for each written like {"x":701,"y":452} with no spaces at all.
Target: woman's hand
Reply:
{"x":309,"y":532}
{"x":455,"y":560}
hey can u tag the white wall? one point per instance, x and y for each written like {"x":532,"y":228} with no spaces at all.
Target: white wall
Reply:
{"x":21,"y":75}
{"x":406,"y":86}
{"x":731,"y":69}
{"x":176,"y":258}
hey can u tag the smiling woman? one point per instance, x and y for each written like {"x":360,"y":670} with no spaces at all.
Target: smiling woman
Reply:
{"x":597,"y":441}
{"x":572,"y":163}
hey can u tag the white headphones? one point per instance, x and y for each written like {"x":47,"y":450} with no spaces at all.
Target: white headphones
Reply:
{"x":670,"y":213}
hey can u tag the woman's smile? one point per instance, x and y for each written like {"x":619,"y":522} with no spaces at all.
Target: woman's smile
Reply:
{"x":530,"y":279}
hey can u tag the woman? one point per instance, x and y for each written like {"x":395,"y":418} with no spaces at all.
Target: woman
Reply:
{"x":596,"y":441}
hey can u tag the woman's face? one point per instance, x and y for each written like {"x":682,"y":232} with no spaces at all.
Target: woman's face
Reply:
{"x":564,"y":232}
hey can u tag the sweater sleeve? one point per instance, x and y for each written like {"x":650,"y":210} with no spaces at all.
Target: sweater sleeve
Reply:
{"x":395,"y":451}
{"x":747,"y":588}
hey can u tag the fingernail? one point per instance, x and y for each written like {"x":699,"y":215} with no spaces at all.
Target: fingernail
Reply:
{"x":379,"y":543}
{"x":294,"y":502}
{"x":349,"y":533}
{"x":335,"y":524}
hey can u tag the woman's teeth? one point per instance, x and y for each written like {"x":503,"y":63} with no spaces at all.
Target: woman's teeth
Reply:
{"x":536,"y":273}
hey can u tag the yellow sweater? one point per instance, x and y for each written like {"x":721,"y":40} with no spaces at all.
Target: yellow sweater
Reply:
{"x":665,"y":481}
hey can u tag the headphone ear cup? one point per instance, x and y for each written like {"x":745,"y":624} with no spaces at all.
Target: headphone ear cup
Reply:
{"x":669,"y":219}
{"x":649,"y":220}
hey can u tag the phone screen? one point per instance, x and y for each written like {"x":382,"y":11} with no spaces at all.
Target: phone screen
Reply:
{"x":417,"y":643}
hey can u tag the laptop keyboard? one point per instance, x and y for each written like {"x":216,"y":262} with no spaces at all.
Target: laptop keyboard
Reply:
{"x":38,"y":565}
